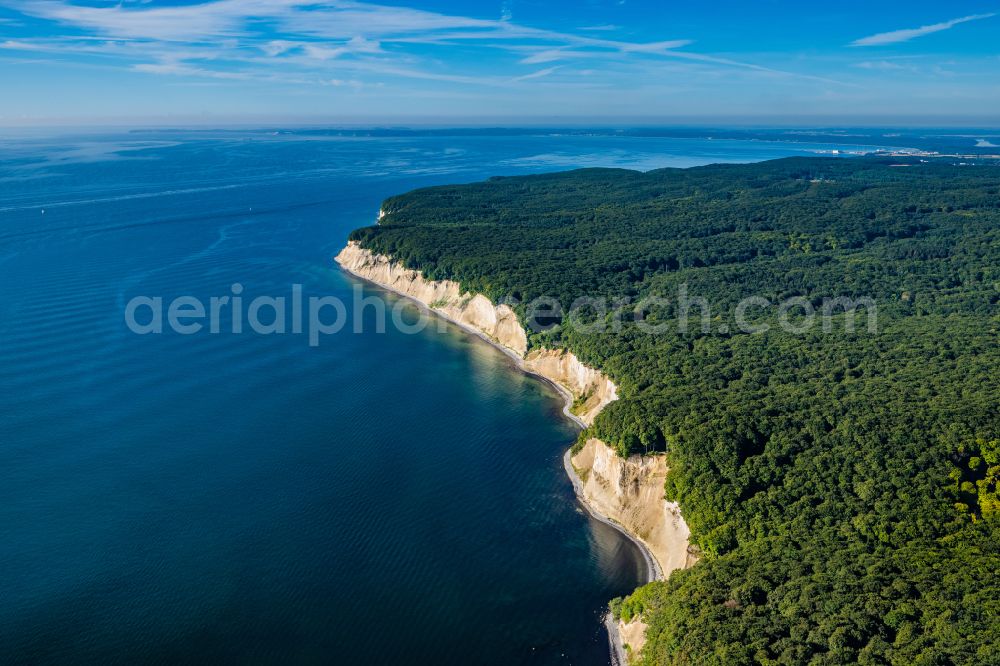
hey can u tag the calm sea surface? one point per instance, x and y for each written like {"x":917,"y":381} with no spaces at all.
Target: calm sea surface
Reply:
{"x":244,"y":498}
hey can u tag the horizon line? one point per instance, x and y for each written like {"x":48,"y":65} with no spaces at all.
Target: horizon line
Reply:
{"x":720,"y":121}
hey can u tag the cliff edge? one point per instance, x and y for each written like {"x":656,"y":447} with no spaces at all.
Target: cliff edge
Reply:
{"x":625,"y":492}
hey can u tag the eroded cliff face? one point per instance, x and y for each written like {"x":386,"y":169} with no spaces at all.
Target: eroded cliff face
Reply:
{"x":633,"y":637}
{"x":630,"y":492}
{"x":591,"y":389}
{"x":497,"y":322}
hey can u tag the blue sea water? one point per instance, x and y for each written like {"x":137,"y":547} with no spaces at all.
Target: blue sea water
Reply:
{"x":381,"y":498}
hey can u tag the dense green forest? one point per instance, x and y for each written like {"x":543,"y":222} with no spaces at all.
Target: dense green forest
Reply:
{"x":841,"y":484}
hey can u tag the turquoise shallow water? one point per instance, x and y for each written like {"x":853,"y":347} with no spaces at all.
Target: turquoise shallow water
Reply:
{"x":380,"y":498}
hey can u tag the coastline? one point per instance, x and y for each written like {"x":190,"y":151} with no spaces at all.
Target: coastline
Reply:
{"x":511,"y":354}
{"x":654,"y":570}
{"x":619,"y":657}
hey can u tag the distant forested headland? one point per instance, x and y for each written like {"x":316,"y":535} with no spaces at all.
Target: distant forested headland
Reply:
{"x":841,"y":484}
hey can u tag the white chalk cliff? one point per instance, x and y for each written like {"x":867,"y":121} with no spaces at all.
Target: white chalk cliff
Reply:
{"x":475,"y":311}
{"x":628,"y":492}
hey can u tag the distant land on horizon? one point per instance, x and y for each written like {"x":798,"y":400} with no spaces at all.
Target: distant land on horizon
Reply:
{"x":980,"y":141}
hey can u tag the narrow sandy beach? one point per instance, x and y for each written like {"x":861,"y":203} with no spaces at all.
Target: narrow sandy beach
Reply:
{"x":652,"y":566}
{"x":518,"y":361}
{"x":653,"y":570}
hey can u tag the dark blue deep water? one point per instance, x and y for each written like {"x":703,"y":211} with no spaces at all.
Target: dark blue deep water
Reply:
{"x":246,"y":498}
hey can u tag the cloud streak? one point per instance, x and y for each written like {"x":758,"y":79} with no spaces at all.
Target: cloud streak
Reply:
{"x":302,"y":40}
{"x":905,"y":35}
{"x":537,"y":75}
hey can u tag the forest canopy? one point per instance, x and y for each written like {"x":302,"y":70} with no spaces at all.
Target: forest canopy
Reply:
{"x":842,"y":485}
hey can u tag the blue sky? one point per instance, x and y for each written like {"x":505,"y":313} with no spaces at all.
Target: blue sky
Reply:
{"x":275,"y":60}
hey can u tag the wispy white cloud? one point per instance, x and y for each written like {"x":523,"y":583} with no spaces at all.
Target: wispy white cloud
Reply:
{"x":654,"y":47}
{"x":905,"y":35}
{"x":506,"y":13}
{"x":276,"y":47}
{"x":353,"y":46}
{"x":537,"y":75}
{"x":352,"y":83}
{"x":186,"y":23}
{"x":251,"y":39}
{"x":884,"y":65}
{"x":553,"y":55}
{"x":181,"y":69}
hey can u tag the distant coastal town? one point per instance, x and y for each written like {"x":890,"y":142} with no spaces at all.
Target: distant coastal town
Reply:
{"x":909,"y":152}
